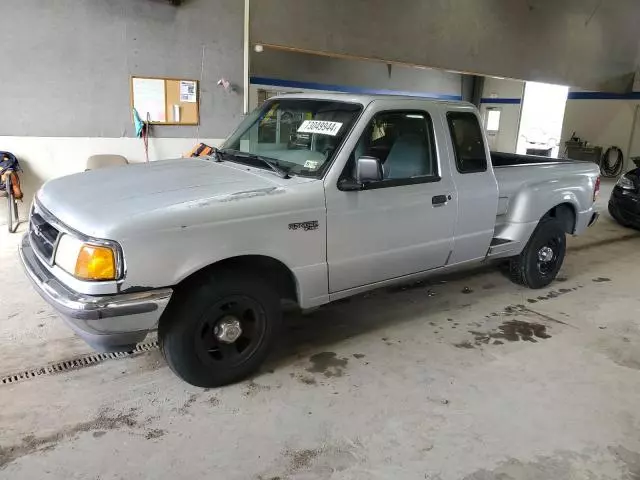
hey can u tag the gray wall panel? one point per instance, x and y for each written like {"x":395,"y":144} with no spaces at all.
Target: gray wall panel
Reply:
{"x":590,"y":43}
{"x":66,"y":63}
{"x":357,"y":73}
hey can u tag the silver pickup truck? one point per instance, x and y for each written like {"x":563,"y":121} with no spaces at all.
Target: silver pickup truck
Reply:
{"x":314,"y":198}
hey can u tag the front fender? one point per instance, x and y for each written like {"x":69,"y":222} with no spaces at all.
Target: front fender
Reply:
{"x":207,"y":233}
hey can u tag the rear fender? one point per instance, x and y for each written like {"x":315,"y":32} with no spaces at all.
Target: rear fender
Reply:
{"x":532,"y":202}
{"x":535,"y":200}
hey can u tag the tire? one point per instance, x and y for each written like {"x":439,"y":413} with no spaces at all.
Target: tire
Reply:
{"x":189,"y":331}
{"x":541,"y":260}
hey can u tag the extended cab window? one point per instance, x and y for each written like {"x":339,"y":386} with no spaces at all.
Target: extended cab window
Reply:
{"x":468,"y":143}
{"x":403,"y":142}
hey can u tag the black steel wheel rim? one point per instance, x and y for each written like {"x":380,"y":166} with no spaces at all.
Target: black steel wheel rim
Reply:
{"x":548,"y":267}
{"x":252,"y":317}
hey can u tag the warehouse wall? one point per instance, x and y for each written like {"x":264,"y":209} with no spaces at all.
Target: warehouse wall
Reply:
{"x":506,"y":95}
{"x":604,"y":120}
{"x":302,"y":72}
{"x":70,"y":63}
{"x":66,"y":65}
{"x":590,"y":43}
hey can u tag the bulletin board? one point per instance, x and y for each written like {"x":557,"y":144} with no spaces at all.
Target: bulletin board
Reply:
{"x":166,"y":101}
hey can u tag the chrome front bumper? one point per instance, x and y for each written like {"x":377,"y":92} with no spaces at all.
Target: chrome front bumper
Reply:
{"x":107,"y":323}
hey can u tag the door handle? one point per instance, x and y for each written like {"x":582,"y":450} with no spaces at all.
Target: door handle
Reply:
{"x":439,"y":200}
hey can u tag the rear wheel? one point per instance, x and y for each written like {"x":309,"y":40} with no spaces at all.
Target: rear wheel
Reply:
{"x":220,"y":330}
{"x":541,"y":260}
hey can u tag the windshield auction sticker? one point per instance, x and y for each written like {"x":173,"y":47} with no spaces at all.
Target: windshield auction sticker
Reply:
{"x":320,"y":126}
{"x":311,"y":164}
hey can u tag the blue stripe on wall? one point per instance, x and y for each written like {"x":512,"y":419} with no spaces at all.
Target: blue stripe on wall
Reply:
{"x":603,"y":96}
{"x":276,"y":82}
{"x":508,"y":101}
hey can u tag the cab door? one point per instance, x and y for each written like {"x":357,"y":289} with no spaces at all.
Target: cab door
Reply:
{"x":404,"y":223}
{"x":475,"y":183}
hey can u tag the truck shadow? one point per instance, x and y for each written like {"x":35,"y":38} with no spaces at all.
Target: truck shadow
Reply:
{"x":434,"y":301}
{"x":422,"y":302}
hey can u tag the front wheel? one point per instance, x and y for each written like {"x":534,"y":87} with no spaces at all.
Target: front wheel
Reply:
{"x":220,"y":330}
{"x":541,"y":260}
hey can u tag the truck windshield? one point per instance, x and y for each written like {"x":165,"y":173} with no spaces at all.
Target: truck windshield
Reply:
{"x":299,"y":135}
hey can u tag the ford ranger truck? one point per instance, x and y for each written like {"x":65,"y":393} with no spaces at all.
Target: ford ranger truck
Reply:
{"x":313,"y":198}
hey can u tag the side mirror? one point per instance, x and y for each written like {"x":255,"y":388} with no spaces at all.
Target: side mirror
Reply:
{"x":368,"y":169}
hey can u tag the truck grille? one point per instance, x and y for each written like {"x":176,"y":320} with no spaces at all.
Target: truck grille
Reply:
{"x":43,"y":237}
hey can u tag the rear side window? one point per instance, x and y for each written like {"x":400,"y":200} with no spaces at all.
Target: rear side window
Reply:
{"x":468,"y":144}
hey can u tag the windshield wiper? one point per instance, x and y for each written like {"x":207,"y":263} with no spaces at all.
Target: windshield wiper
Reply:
{"x":270,"y":163}
{"x":216,"y":155}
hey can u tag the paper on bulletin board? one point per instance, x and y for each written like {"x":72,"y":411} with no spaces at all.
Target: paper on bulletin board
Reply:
{"x":149,"y":99}
{"x":187,"y":91}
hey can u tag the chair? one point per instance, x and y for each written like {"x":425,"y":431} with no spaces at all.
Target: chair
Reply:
{"x":10,"y":187}
{"x":101,"y":161}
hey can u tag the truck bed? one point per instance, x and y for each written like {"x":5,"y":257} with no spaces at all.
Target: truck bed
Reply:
{"x":502,"y":159}
{"x":529,"y":178}
{"x":513,"y":172}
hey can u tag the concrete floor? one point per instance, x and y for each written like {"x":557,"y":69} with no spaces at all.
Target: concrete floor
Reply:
{"x":463,"y":378}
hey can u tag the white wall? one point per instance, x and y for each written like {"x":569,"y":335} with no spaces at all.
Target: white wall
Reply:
{"x":603,"y":122}
{"x":495,"y":93}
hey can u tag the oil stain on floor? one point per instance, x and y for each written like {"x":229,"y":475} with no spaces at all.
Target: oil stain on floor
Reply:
{"x":515,"y":330}
{"x":630,"y":459}
{"x":559,"y":467}
{"x":553,"y":294}
{"x":104,"y":421}
{"x":510,"y":331}
{"x":601,"y":280}
{"x":563,"y":465}
{"x":252,"y":389}
{"x":324,"y":462}
{"x":622,"y":351}
{"x":327,"y":363}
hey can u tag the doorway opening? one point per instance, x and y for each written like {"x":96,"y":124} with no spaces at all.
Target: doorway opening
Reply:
{"x":492,"y":126}
{"x":541,"y":119}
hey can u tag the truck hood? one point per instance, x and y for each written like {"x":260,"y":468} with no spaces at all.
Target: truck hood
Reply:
{"x":99,"y":202}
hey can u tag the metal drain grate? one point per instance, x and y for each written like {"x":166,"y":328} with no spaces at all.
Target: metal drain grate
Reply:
{"x":76,"y":363}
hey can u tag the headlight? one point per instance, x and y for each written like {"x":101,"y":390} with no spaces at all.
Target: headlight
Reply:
{"x":84,"y":260}
{"x":626,"y":183}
